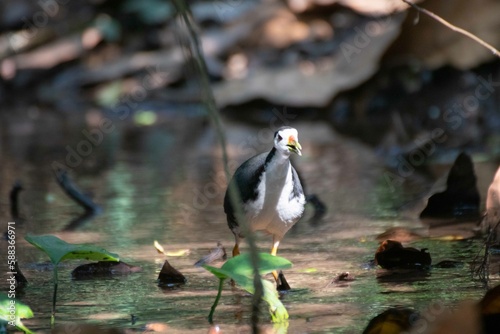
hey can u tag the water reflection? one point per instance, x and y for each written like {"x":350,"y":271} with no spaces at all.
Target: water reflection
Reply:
{"x":164,"y":183}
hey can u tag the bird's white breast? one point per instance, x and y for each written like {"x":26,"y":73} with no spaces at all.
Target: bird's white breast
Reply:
{"x":275,"y":210}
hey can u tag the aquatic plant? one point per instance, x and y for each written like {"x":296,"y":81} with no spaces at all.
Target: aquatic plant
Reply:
{"x":240,"y":270}
{"x":12,"y":311}
{"x":59,"y":250}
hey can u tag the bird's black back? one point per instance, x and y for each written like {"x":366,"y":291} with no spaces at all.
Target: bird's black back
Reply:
{"x":246,"y":179}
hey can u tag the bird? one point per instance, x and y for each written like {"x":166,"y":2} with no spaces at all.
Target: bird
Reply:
{"x":271,"y":194}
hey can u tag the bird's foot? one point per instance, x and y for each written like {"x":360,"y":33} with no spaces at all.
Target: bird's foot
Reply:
{"x":281,"y":283}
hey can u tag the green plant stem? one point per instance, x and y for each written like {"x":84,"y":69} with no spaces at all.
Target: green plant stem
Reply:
{"x":183,"y":9}
{"x":216,"y":302}
{"x":54,"y":297}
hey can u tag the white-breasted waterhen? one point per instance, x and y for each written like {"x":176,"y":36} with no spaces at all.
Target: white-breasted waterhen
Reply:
{"x":271,"y":193}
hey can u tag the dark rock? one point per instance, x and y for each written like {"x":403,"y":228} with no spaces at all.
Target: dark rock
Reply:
{"x":169,"y":276}
{"x":449,"y":264}
{"x":391,"y":254}
{"x":461,"y":198}
{"x":343,"y":277}
{"x":218,"y":253}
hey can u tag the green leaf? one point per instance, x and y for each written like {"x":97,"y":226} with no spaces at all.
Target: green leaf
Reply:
{"x":218,"y":272}
{"x":22,"y":311}
{"x":242,"y":264}
{"x":276,"y":308}
{"x":59,"y":250}
{"x":240,"y":269}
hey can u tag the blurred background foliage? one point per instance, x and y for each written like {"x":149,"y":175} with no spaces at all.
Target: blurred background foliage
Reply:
{"x":374,"y":70}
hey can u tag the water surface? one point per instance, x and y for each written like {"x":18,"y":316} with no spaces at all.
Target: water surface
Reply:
{"x":165,"y":183}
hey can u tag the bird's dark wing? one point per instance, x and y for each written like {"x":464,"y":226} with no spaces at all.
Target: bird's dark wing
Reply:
{"x":246,"y":179}
{"x":297,"y":186}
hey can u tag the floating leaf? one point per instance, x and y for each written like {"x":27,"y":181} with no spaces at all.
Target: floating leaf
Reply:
{"x":242,"y":264}
{"x":161,"y":250}
{"x":159,"y":247}
{"x":180,"y":252}
{"x":59,"y":250}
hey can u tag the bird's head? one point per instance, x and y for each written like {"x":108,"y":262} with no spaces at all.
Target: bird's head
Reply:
{"x":286,"y":140}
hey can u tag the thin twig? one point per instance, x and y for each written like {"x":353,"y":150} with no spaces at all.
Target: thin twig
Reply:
{"x":455,"y":28}
{"x":75,"y":193}
{"x":481,"y":264}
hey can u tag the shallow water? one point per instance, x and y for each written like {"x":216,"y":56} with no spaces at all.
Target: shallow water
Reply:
{"x":166,"y":183}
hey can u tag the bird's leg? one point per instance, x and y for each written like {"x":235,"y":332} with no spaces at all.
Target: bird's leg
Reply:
{"x":281,"y":283}
{"x":236,"y":248}
{"x":274,"y":251}
{"x":236,"y":252}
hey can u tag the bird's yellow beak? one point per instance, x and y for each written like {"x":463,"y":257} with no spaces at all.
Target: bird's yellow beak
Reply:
{"x":294,"y":146}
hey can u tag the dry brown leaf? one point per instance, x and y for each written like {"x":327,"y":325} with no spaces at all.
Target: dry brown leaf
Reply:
{"x":159,"y":247}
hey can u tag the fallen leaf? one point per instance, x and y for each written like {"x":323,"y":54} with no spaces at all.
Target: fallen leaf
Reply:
{"x":180,"y":252}
{"x":159,"y":247}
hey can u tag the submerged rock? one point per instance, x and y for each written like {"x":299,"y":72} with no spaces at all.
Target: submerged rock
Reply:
{"x":103,"y":269}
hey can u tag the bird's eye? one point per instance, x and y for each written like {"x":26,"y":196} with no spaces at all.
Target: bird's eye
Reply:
{"x":279,"y":138}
